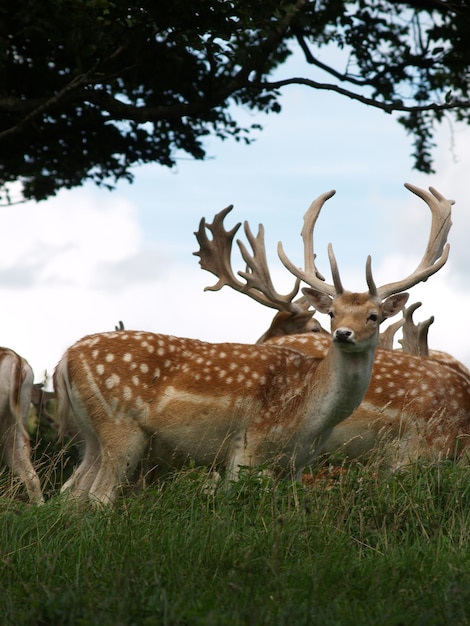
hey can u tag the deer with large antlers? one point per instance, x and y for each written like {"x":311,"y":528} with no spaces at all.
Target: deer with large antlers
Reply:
{"x":16,"y":387}
{"x":293,"y":316}
{"x":224,"y":405}
{"x":418,"y":401}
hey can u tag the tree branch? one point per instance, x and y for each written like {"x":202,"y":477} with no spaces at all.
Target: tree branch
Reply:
{"x":46,"y":105}
{"x":415,"y":60}
{"x":326,"y":68}
{"x":37,"y":108}
{"x":80,"y":88}
{"x":277,"y":35}
{"x":388,"y":107}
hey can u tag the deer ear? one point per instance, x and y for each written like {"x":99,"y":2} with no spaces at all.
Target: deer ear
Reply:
{"x":394,"y":304}
{"x":320,"y":301}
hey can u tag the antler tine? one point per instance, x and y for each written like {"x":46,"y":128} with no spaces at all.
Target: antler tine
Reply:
{"x":257,"y":273}
{"x":310,"y":274}
{"x":441,"y":222}
{"x":215,"y":257}
{"x":387,"y":336}
{"x":215,"y":253}
{"x":408,"y":312}
{"x":415,"y":336}
{"x":310,"y":219}
{"x":437,"y":250}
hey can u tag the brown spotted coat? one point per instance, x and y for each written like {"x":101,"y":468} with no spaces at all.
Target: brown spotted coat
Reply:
{"x":419,"y":406}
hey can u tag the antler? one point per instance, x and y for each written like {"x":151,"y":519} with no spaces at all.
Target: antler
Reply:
{"x":387,"y":336}
{"x":311,"y":275}
{"x":434,"y":258}
{"x":258,"y":277}
{"x":215,"y":253}
{"x":215,"y":256}
{"x":415,"y":336}
{"x":437,"y":250}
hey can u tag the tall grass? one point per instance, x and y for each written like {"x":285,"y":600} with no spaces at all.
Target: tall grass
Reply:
{"x":364,"y":548}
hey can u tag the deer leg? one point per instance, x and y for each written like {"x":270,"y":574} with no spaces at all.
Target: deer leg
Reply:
{"x":252,"y":450}
{"x":241,"y":454}
{"x":119,"y":458}
{"x":81,"y":480}
{"x":17,"y":455}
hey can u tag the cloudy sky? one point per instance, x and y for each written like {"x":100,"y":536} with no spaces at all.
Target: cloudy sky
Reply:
{"x":82,"y":261}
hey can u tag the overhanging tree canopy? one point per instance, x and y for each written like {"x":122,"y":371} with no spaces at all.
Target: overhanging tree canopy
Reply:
{"x":90,"y":88}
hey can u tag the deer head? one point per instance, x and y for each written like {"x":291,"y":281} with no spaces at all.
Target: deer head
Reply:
{"x":386,"y":300}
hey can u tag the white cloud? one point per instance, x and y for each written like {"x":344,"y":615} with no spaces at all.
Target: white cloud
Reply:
{"x":62,"y":240}
{"x":49,"y":257}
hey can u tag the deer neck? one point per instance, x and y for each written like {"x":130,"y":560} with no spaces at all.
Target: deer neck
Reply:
{"x":337,"y":386}
{"x":344,"y":377}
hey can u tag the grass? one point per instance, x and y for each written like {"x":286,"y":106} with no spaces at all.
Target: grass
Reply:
{"x":363,"y":548}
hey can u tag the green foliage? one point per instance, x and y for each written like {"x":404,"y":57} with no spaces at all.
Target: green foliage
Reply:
{"x":368,"y":549}
{"x":91,"y":88}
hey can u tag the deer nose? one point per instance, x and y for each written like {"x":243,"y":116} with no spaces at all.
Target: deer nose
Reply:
{"x":343,"y":335}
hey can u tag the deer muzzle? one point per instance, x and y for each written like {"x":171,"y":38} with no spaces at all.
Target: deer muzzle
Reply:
{"x":344,"y":335}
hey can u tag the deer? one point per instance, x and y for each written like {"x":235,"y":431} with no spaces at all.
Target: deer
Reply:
{"x":40,"y":399}
{"x":225,"y":405}
{"x":418,"y":401}
{"x":16,"y":388}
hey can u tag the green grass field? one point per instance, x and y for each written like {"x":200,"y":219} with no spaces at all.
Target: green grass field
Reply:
{"x":363,"y":548}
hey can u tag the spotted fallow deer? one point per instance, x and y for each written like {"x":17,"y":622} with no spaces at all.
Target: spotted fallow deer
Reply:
{"x":418,"y":401}
{"x":228,"y":405}
{"x":16,"y":386}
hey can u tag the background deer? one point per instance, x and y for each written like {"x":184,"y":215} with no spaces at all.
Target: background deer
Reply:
{"x":418,"y":401}
{"x":228,"y":405}
{"x":415,"y":407}
{"x":294,"y":316}
{"x":16,"y":387}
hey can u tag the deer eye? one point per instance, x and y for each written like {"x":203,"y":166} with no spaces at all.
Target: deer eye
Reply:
{"x":373,"y":317}
{"x":331,"y":314}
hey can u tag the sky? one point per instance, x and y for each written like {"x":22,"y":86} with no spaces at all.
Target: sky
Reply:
{"x":79,"y":262}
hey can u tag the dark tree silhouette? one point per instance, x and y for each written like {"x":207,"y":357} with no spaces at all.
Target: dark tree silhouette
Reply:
{"x":91,"y":88}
